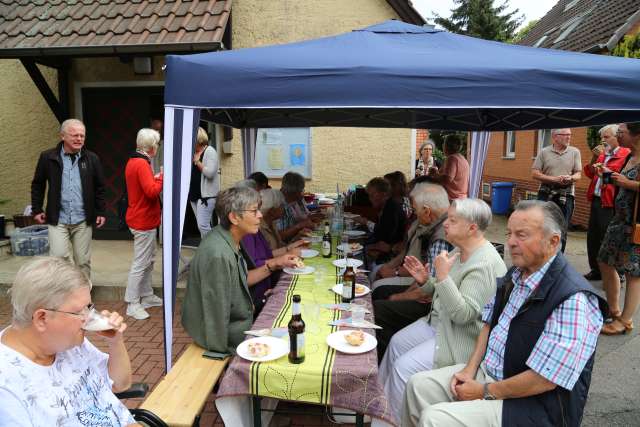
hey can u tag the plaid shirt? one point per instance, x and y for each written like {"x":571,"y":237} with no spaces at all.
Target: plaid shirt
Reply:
{"x":434,"y":250}
{"x":567,"y":342}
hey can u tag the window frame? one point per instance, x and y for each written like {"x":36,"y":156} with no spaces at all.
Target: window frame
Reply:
{"x":509,"y":151}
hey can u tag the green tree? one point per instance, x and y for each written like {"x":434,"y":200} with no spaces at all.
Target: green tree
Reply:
{"x":522,"y":33}
{"x":483,"y":19}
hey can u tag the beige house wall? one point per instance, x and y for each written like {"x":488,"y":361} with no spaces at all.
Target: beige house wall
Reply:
{"x":342,"y":155}
{"x":27,"y":126}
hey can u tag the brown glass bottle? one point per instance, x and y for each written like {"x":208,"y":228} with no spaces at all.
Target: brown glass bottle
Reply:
{"x":348,"y":284}
{"x":296,"y":333}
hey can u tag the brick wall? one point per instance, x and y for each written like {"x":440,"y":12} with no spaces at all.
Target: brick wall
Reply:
{"x":518,"y":169}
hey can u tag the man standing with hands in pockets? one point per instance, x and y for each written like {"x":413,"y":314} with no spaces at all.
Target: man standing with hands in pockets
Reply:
{"x":75,"y":194}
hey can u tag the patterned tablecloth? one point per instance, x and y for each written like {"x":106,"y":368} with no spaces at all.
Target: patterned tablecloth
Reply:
{"x":327,"y":377}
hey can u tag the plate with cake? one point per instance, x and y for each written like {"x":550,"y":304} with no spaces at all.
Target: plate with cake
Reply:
{"x":263,"y":349}
{"x":352,"y":341}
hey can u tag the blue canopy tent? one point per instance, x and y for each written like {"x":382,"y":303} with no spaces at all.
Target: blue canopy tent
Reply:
{"x":388,"y":75}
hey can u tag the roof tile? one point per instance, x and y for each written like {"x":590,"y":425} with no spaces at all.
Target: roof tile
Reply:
{"x":97,"y":23}
{"x":600,"y":21}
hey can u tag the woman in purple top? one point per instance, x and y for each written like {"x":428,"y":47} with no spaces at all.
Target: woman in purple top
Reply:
{"x":267,"y":262}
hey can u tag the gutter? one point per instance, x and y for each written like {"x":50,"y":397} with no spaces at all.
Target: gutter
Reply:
{"x":114,"y":50}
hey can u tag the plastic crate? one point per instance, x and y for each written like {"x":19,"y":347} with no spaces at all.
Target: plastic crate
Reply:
{"x":30,"y":241}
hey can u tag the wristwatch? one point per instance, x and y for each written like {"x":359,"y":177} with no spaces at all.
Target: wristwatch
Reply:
{"x":487,"y":395}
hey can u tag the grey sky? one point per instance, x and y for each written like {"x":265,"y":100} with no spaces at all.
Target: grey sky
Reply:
{"x":532,"y":9}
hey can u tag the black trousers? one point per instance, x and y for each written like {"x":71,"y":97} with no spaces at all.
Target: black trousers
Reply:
{"x":567,"y":211}
{"x":599,"y":219}
{"x":394,"y":315}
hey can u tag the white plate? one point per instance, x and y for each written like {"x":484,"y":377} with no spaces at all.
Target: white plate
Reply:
{"x":308,"y":253}
{"x":338,"y":290}
{"x":336,"y":340}
{"x":306,"y":270}
{"x":326,"y":201}
{"x":354,"y":233}
{"x":350,"y":215}
{"x":347,"y":247}
{"x":279,"y":348}
{"x":340,"y":263}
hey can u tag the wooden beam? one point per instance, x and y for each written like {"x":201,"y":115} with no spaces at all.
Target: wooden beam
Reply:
{"x":43,"y":87}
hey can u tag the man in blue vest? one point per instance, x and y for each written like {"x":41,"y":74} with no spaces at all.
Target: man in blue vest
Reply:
{"x":533,"y":358}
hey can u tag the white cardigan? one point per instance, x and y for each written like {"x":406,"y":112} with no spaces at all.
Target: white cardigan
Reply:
{"x":209,"y":180}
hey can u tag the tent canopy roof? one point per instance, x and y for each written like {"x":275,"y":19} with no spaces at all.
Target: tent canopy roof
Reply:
{"x":399,"y":75}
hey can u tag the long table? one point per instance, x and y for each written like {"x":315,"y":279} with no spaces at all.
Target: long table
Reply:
{"x":327,"y":377}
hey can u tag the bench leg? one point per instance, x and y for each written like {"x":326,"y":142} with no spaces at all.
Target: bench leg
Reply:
{"x":359,"y":420}
{"x":257,"y":412}
{"x":196,"y":421}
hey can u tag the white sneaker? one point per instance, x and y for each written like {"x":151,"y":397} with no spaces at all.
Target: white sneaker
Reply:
{"x":151,"y":301}
{"x":137,"y":311}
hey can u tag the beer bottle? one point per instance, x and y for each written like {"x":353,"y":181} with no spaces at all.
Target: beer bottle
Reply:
{"x":326,"y":241}
{"x":296,"y":333}
{"x":348,"y":284}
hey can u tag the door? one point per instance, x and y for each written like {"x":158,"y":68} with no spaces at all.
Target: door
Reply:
{"x":113,"y":117}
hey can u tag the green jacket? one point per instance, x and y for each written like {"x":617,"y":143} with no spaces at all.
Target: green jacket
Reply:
{"x":217,"y":306}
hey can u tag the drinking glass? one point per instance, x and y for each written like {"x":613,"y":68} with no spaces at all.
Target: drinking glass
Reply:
{"x":357,"y":313}
{"x":96,"y":322}
{"x":310,"y":314}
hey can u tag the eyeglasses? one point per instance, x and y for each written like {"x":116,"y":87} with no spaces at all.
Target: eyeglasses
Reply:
{"x":253,"y":211}
{"x":563,"y":134}
{"x":82,"y":313}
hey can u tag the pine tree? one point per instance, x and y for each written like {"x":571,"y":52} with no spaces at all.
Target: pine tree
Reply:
{"x":481,"y":18}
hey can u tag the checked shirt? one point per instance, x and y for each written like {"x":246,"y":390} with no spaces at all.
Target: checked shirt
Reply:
{"x":567,"y":342}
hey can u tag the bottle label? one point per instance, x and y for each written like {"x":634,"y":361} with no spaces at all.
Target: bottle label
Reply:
{"x":300,"y":345}
{"x":346,"y":290}
{"x":326,"y":247}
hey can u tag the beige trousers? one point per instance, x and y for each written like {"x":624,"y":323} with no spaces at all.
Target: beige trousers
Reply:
{"x":428,"y":402}
{"x":76,"y":235}
{"x":144,"y":254}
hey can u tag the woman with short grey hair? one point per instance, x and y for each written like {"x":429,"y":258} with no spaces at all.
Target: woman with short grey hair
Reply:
{"x":217,"y":307}
{"x":465,"y":280}
{"x":143,"y":217}
{"x":426,"y":160}
{"x":45,"y":358}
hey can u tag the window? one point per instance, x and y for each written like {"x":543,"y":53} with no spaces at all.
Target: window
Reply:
{"x":510,"y":145}
{"x":570,"y":5}
{"x":544,"y":139}
{"x":540,"y":41}
{"x":568,"y":28}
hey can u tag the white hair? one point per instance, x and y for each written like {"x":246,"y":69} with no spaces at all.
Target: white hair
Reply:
{"x":474,"y":211}
{"x":44,"y":282}
{"x":432,"y":195}
{"x":147,"y":140}
{"x":70,"y":122}
{"x":246,"y":183}
{"x":613,"y":129}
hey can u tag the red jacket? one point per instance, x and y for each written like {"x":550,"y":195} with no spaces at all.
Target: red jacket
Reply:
{"x":607,"y":192}
{"x":143,"y":210}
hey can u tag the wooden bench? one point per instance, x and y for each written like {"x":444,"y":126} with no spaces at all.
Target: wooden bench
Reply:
{"x":180,"y":396}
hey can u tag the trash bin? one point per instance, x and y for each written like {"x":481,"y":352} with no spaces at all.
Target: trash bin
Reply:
{"x":501,"y":197}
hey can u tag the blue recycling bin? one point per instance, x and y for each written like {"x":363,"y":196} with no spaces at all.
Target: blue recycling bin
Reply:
{"x":501,"y":197}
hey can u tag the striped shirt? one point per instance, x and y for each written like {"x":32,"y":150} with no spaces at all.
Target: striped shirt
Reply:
{"x":565,"y":345}
{"x":434,"y":250}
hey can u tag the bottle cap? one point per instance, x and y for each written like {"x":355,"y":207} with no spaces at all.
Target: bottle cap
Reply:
{"x":296,"y":298}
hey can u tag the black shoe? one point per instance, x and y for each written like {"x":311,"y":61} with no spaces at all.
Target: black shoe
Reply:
{"x":593,"y":275}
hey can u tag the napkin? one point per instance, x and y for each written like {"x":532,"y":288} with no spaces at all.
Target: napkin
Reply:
{"x":349,"y":322}
{"x":342,"y":307}
{"x":268,"y":332}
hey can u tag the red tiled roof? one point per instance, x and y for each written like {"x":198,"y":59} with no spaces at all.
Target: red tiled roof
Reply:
{"x":29,"y":27}
{"x":599,"y":24}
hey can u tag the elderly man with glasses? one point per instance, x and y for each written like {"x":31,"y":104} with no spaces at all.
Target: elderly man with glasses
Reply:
{"x":50,"y":374}
{"x":557,"y":167}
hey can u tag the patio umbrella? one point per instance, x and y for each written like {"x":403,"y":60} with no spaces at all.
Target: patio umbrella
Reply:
{"x":388,"y":75}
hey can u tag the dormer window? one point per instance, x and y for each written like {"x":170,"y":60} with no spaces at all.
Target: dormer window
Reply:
{"x":571,"y":4}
